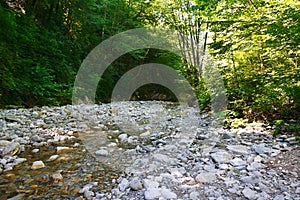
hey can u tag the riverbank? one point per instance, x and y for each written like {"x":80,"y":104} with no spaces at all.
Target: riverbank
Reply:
{"x":141,"y":150}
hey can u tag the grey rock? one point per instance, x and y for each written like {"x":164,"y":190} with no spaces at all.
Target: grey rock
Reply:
{"x":290,"y":139}
{"x":124,"y":184}
{"x":221,"y":156}
{"x":18,"y":197}
{"x":136,"y":184}
{"x":150,"y":184}
{"x":205,"y":177}
{"x":250,"y":179}
{"x":255,"y":166}
{"x":89,"y":195}
{"x":239,"y":149}
{"x":53,"y":157}
{"x":249,"y":194}
{"x":35,"y":150}
{"x":35,"y":114}
{"x":260,"y":148}
{"x":236,"y":162}
{"x":123,"y":137}
{"x":194,"y":195}
{"x":223,"y":166}
{"x":233,"y":190}
{"x":19,"y":160}
{"x":168,"y":194}
{"x":164,"y":159}
{"x":152,"y":193}
{"x":37,"y":165}
{"x":102,"y":152}
{"x":279,"y":197}
{"x":11,"y":149}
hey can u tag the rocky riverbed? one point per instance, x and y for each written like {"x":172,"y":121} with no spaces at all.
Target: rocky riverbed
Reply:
{"x":141,"y":150}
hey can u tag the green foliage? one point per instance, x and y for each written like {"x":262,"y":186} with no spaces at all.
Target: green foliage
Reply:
{"x":255,"y":45}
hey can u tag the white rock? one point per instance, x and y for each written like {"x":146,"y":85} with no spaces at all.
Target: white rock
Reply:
{"x":168,"y":194}
{"x":53,"y":157}
{"x":19,"y":160}
{"x":150,"y":184}
{"x":221,"y":156}
{"x":255,"y":166}
{"x":164,"y":158}
{"x":57,"y":177}
{"x":101,"y":152}
{"x":136,"y":184}
{"x":194,"y":196}
{"x":205,"y":177}
{"x":145,"y":134}
{"x":123,"y":137}
{"x":249,"y":194}
{"x":37,"y":165}
{"x":152,"y":193}
{"x":35,"y":150}
{"x":18,"y":197}
{"x":239,"y":149}
{"x":124,"y":184}
{"x":63,"y":149}
{"x":238,"y":162}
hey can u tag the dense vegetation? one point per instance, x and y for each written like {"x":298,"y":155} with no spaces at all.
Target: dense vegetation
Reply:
{"x":255,"y":44}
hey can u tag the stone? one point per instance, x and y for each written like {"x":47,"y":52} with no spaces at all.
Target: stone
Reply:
{"x":53,"y":157}
{"x":205,"y":177}
{"x":152,"y":193}
{"x":279,"y":197}
{"x":164,"y":158}
{"x":249,"y":194}
{"x":250,"y":179}
{"x":223,"y":166}
{"x":168,"y":194}
{"x":102,"y":152}
{"x":236,"y":162}
{"x":57,"y":177}
{"x":221,"y":156}
{"x":37,"y":165}
{"x":150,"y":184}
{"x":63,"y":149}
{"x":17,"y":197}
{"x":255,"y":166}
{"x":233,"y":190}
{"x":123,"y":137}
{"x":19,"y":160}
{"x":239,"y":149}
{"x":36,"y":138}
{"x":124,"y":184}
{"x":11,"y":149}
{"x":145,"y":134}
{"x":136,"y":184}
{"x":87,"y":187}
{"x":290,"y":139}
{"x":194,"y":196}
{"x":260,"y":148}
{"x":35,"y":150}
{"x":35,"y":114}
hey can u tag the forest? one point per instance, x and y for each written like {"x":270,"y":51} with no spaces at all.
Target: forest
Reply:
{"x":255,"y":43}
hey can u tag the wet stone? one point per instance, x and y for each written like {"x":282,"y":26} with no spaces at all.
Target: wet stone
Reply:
{"x":37,"y":165}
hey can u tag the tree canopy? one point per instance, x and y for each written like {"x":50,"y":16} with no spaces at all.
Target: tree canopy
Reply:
{"x":255,"y":45}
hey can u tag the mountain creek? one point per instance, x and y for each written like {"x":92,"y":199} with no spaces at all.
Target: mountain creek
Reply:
{"x":141,"y":150}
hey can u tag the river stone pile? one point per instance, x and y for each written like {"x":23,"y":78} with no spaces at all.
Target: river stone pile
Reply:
{"x":164,"y":151}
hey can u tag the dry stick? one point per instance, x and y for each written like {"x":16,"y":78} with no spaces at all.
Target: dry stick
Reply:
{"x":204,"y":49}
